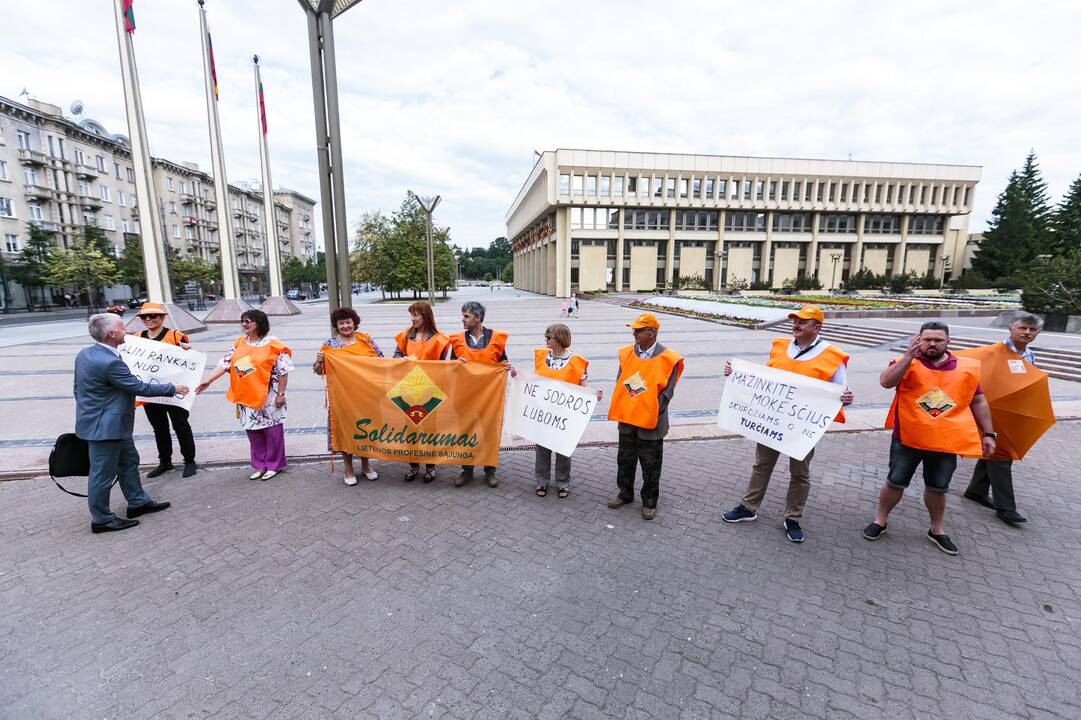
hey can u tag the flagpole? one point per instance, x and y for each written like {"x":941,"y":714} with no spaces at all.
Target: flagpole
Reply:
{"x":277,"y":303}
{"x":153,"y":242}
{"x":231,"y":306}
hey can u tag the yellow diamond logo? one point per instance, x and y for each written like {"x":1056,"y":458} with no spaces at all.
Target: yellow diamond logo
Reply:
{"x":416,"y":395}
{"x":634,"y":385}
{"x":935,"y":402}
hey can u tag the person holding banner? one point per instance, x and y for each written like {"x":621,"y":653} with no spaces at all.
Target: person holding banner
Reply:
{"x":477,"y":343}
{"x":258,"y":365}
{"x":646,"y":381}
{"x":153,"y":316}
{"x":938,"y":413}
{"x":105,"y":391}
{"x":347,"y":340}
{"x":556,"y":361}
{"x":805,"y":353}
{"x":421,"y":341}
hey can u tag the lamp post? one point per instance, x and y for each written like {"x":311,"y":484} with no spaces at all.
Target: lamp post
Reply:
{"x":428,"y":204}
{"x":835,"y":258}
{"x":321,"y":15}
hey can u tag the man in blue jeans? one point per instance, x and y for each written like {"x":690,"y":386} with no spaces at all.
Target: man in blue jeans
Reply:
{"x":105,"y":393}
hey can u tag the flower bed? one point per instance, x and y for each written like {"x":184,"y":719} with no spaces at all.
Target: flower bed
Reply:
{"x":860,"y":302}
{"x":696,"y":313}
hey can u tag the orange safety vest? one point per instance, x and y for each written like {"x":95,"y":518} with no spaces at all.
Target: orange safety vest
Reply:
{"x":933,"y":408}
{"x":822,"y":366}
{"x":172,"y":337}
{"x":249,"y":371}
{"x":430,"y":349}
{"x":490,"y":353}
{"x":635,"y":400}
{"x":572,"y":372}
{"x":363,"y":346}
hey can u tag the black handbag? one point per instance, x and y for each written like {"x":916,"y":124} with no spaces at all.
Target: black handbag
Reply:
{"x":70,"y":457}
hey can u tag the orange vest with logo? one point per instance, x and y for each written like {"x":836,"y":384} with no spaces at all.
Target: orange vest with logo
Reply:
{"x":572,"y":372}
{"x":249,"y":371}
{"x":821,"y":367}
{"x":430,"y":349}
{"x":635,"y":400}
{"x":363,"y":346}
{"x":490,"y":353}
{"x":933,"y":408}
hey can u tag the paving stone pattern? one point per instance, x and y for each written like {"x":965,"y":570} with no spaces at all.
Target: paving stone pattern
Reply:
{"x":303,"y":598}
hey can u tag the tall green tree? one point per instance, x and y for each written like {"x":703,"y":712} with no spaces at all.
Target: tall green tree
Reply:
{"x":1066,"y":224}
{"x":30,"y":264}
{"x":293,"y":272}
{"x":1020,"y":227}
{"x":94,"y":236}
{"x":194,"y":268}
{"x":81,"y":266}
{"x":130,"y":267}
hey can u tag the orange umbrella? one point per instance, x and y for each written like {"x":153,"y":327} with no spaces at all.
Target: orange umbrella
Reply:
{"x":1019,"y":397}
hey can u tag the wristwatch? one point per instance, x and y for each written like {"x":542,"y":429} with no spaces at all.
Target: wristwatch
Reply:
{"x":993,"y":436}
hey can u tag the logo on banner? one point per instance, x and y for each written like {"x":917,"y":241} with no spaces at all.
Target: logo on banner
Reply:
{"x":634,"y":385}
{"x":935,"y":402}
{"x":416,"y":396}
{"x":243,"y":367}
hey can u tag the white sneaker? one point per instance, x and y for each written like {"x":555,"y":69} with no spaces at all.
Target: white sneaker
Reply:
{"x":256,"y":475}
{"x":270,"y":473}
{"x":350,"y":480}
{"x":372,"y":475}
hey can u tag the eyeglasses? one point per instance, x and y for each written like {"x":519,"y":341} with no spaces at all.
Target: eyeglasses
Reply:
{"x":642,"y":330}
{"x":148,"y":316}
{"x":246,"y":322}
{"x":547,"y":336}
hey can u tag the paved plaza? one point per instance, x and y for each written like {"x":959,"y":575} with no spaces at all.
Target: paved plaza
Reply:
{"x":301,"y":597}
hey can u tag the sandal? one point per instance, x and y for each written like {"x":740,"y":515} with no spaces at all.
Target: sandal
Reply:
{"x":412,"y":474}
{"x":541,"y":492}
{"x":429,"y":475}
{"x":564,"y":493}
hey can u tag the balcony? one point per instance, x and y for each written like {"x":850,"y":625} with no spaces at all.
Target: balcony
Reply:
{"x":45,"y":225}
{"x":87,"y":172}
{"x":190,"y":220}
{"x":211,"y":203}
{"x":38,"y":192}
{"x":89,"y":201}
{"x":187,"y":196}
{"x":238,"y":231}
{"x":134,"y":211}
{"x":32,"y":157}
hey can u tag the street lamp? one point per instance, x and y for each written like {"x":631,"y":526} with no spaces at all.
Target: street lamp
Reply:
{"x":836,"y":258}
{"x":321,"y":14}
{"x":427,"y":204}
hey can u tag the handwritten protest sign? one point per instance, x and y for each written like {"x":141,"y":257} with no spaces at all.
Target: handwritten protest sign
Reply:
{"x":551,"y":413}
{"x":153,"y":361}
{"x":781,"y":410}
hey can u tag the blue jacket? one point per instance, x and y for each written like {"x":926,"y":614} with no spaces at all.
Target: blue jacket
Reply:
{"x":105,"y":393}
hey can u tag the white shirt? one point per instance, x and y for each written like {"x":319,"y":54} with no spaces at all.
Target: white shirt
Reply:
{"x":647,"y":353}
{"x":840,"y":377}
{"x":110,"y":348}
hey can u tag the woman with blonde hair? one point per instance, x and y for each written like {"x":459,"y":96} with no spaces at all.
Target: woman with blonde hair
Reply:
{"x":421,"y":341}
{"x":556,"y":361}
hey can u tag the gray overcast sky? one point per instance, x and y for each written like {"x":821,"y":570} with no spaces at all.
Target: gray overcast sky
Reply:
{"x":453,"y":97}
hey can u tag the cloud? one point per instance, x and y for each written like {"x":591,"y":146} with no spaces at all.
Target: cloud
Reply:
{"x":452,"y":98}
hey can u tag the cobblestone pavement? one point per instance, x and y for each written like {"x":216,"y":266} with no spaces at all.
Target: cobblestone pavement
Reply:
{"x":303,"y":598}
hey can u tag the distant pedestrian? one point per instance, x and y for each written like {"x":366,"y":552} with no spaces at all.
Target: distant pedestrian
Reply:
{"x":938,"y":413}
{"x":105,"y":393}
{"x":574,"y":304}
{"x":258,"y":365}
{"x":647,"y":376}
{"x":564,"y":308}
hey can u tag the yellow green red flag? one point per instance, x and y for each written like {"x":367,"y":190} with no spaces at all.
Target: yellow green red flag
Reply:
{"x":425,"y":411}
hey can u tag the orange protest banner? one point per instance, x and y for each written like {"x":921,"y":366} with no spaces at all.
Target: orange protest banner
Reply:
{"x":424,"y":411}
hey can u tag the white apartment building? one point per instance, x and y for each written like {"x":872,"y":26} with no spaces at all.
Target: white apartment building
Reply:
{"x":60,"y":174}
{"x":594,"y":220}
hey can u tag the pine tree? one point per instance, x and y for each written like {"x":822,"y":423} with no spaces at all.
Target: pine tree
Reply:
{"x":1038,"y":200}
{"x":1066,"y":224}
{"x":1020,"y":227}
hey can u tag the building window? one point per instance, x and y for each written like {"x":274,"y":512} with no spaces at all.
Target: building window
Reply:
{"x":564,"y":184}
{"x":189,"y":232}
{"x":176,"y":231}
{"x":101,"y":163}
{"x":682,"y":188}
{"x":792,"y":222}
{"x":79,"y":159}
{"x":772,"y":189}
{"x":745,"y":222}
{"x":797,"y":190}
{"x":710,"y":183}
{"x":30,"y":176}
{"x":670,"y":187}
{"x":759,"y":190}
{"x":3,"y":170}
{"x":696,"y":188}
{"x":131,"y":175}
{"x":617,"y":188}
{"x":5,"y":207}
{"x":967,"y":189}
{"x":172,"y":208}
{"x":35,"y":211}
{"x":23,"y":139}
{"x":183,"y":186}
{"x":831,"y":191}
{"x":576,"y":185}
{"x":925,"y":225}
{"x":104,"y":191}
{"x":606,"y":187}
{"x":746,"y":189}
{"x":591,"y":184}
{"x":169,"y":182}
{"x":125,"y":225}
{"x":107,"y":223}
{"x":844,"y":192}
{"x":84,"y":188}
{"x":808,"y":190}
{"x":120,"y":198}
{"x":11,"y":243}
{"x":116,"y":167}
{"x":784,"y":189}
{"x":837,"y":223}
{"x":722,"y":189}
{"x":697,"y":220}
{"x":882,"y":225}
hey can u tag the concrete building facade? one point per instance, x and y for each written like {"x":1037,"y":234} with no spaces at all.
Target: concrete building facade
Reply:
{"x":597,"y":220}
{"x":60,"y":174}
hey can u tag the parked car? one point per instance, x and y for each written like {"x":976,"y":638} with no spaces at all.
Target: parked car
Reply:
{"x":137,"y":302}
{"x":295,"y":294}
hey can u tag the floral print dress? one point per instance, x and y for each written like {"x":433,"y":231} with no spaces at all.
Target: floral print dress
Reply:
{"x":268,"y":415}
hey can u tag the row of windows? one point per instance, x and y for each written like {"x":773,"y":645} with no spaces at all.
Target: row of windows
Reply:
{"x":754,"y":189}
{"x":707,"y":220}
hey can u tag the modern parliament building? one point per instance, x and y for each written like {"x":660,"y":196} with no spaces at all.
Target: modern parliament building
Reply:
{"x":595,"y":220}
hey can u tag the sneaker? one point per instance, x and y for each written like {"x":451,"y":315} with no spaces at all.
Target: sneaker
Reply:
{"x":943,"y":542}
{"x":463,"y":478}
{"x":874,"y":531}
{"x":739,"y":514}
{"x":793,"y":531}
{"x":491,"y":479}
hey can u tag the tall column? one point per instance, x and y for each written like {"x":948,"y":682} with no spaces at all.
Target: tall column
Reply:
{"x":812,"y":255}
{"x":619,"y":251}
{"x":857,"y":261}
{"x":718,"y":254}
{"x":562,"y":286}
{"x":767,"y":252}
{"x":902,"y":248}
{"x":670,"y":251}
{"x":151,"y":239}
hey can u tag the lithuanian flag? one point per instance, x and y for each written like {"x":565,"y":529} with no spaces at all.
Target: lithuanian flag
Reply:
{"x":262,"y":107}
{"x":129,"y":15}
{"x":213,"y":71}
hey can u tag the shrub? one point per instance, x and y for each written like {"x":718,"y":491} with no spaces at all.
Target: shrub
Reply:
{"x":1053,"y":287}
{"x":737,"y":284}
{"x":864,"y":280}
{"x":802,"y":282}
{"x":691,"y":282}
{"x":971,"y":281}
{"x":929,"y":281}
{"x":901,"y":282}
{"x":760,"y":285}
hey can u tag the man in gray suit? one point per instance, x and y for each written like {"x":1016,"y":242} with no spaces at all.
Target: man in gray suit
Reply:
{"x":105,"y":393}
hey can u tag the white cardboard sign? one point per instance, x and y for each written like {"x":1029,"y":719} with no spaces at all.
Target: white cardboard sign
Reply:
{"x":153,"y":361}
{"x":551,"y":413}
{"x":780,"y":409}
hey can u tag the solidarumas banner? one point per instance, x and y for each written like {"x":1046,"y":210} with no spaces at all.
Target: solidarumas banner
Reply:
{"x":425,"y":411}
{"x":153,"y":361}
{"x":780,"y":409}
{"x":551,"y":413}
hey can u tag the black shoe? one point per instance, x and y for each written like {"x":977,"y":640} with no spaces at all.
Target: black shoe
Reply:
{"x":463,"y":479}
{"x":491,"y":479}
{"x":739,"y":514}
{"x":189,"y":469}
{"x":618,"y":501}
{"x":1011,"y":517}
{"x":117,"y":524}
{"x":793,"y":530}
{"x":943,"y":542}
{"x":874,"y":531}
{"x":979,"y":499}
{"x":161,"y":469}
{"x":150,"y":507}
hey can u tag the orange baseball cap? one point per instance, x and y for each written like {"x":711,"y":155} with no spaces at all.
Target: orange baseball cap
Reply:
{"x":808,"y":312}
{"x":151,"y":308}
{"x":645,"y":320}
